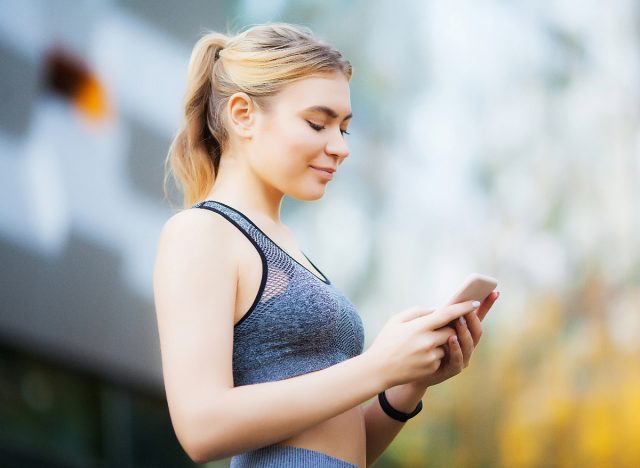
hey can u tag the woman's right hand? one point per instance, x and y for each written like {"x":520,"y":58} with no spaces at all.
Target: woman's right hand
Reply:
{"x":409,"y":346}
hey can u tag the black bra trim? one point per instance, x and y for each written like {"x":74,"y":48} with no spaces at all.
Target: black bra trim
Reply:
{"x":324,"y":278}
{"x":263,"y":281}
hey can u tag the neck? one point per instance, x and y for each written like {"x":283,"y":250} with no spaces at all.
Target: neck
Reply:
{"x":242,"y":189}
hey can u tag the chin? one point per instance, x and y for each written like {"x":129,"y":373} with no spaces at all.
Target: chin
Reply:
{"x":308,"y":195}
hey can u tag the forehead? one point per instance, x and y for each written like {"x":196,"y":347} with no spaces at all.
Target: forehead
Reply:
{"x":326,"y":90}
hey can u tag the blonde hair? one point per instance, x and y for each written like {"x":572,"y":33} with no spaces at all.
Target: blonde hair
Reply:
{"x":259,"y":61}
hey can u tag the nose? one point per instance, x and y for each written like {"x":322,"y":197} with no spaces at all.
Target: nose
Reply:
{"x":337,"y":145}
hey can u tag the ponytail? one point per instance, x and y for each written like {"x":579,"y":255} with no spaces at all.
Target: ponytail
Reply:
{"x":194,"y":154}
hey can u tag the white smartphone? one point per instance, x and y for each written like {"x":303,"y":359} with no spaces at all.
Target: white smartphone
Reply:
{"x":474,"y":287}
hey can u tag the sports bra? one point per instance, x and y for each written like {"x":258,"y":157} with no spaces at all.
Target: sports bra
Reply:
{"x":298,"y":322}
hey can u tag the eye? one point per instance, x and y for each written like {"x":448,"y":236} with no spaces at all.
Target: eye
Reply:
{"x":320,"y":127}
{"x":314,"y":126}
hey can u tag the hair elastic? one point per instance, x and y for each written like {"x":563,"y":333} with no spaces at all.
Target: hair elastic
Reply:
{"x":394,"y":413}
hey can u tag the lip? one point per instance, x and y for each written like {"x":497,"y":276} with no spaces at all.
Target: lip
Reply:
{"x":328,"y":169}
{"x":326,"y":172}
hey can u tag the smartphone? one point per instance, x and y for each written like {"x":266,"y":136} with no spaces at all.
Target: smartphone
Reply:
{"x":474,"y":287}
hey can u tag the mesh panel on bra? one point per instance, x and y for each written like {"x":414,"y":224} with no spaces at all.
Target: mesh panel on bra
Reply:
{"x":298,"y":322}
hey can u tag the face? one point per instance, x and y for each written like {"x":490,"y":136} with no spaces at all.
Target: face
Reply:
{"x":303,"y":131}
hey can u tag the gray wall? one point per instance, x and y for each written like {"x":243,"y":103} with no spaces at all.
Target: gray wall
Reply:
{"x":81,"y":201}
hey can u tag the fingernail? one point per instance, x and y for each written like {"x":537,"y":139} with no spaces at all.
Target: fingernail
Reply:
{"x":462,"y":320}
{"x":475,"y":304}
{"x":455,"y":339}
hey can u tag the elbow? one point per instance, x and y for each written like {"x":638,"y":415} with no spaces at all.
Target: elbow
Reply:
{"x":206,"y":431}
{"x":200,"y":457}
{"x":195,"y":456}
{"x":200,"y":451}
{"x":195,"y":450}
{"x":202,"y":442}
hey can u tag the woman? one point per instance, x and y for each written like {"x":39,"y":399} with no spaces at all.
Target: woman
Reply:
{"x":262,"y":356}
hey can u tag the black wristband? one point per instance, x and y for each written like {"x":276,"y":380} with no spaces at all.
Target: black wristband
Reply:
{"x":394,"y":413}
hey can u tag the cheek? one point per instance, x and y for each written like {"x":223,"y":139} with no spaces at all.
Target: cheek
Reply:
{"x":285,"y":148}
{"x":310,"y":143}
{"x":296,"y":134}
{"x":297,"y":144}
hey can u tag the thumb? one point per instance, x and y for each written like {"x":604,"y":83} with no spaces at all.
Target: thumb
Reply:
{"x":413,"y":313}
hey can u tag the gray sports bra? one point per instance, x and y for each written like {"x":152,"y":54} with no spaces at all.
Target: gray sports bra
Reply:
{"x":298,"y":322}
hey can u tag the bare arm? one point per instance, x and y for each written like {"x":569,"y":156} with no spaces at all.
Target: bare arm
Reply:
{"x":261,"y":414}
{"x":382,"y":429}
{"x":195,"y":280}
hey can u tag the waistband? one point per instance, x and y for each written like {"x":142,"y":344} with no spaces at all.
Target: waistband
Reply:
{"x":287,"y":456}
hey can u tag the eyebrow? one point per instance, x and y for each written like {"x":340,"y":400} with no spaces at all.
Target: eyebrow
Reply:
{"x":327,"y":111}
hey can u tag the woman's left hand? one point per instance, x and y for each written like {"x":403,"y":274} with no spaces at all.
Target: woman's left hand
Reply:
{"x":461,"y":346}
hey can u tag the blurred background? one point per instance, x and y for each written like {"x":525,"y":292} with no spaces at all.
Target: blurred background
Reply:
{"x":497,"y":137}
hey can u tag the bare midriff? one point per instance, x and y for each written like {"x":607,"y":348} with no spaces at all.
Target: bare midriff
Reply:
{"x":342,"y":436}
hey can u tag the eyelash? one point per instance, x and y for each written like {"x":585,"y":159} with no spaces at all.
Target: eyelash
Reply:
{"x":320,"y":127}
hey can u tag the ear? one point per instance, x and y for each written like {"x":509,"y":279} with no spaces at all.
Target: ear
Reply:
{"x":242,"y":114}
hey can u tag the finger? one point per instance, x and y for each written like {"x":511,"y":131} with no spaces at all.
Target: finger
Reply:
{"x":474,"y":327}
{"x":465,"y":339}
{"x":412,"y":313}
{"x":441,"y":317}
{"x":436,"y":354}
{"x":487,"y":304}
{"x":456,"y":359}
{"x":440,"y":337}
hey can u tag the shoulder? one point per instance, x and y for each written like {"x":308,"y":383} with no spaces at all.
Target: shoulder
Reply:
{"x":198,"y":237}
{"x":199,"y":227}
